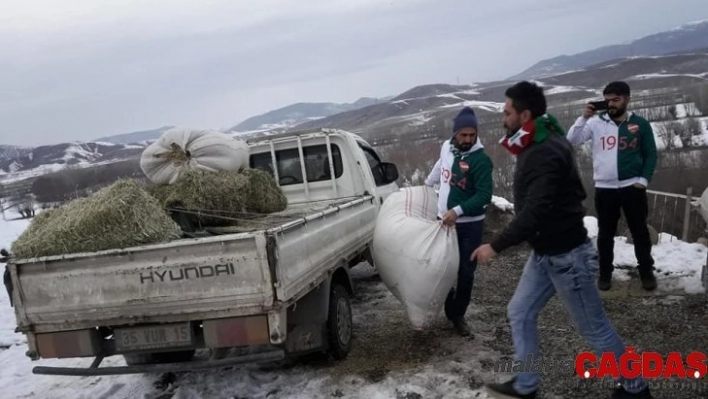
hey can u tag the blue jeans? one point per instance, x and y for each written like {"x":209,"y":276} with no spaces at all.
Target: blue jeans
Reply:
{"x":572,"y":276}
{"x":469,"y":238}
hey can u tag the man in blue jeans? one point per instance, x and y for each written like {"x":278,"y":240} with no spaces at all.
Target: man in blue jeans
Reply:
{"x":548,"y":196}
{"x":464,"y":172}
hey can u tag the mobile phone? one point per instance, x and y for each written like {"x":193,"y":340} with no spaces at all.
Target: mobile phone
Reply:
{"x":600,"y":105}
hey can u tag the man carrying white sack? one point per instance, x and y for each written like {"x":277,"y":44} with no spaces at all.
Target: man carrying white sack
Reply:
{"x":464,"y":172}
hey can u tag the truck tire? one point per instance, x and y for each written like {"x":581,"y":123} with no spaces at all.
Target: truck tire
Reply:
{"x":339,"y":323}
{"x":139,"y":359}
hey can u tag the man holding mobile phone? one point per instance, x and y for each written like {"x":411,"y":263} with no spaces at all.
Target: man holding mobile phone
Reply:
{"x":624,"y":160}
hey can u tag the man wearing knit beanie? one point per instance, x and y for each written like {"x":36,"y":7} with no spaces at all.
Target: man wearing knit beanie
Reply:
{"x":464,"y":172}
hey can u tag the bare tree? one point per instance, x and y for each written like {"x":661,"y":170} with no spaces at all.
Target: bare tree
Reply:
{"x":26,"y":207}
{"x":693,"y":127}
{"x":692,"y":110}
{"x":665,"y":134}
{"x":567,"y":115}
{"x":672,"y":112}
{"x":682,"y":133}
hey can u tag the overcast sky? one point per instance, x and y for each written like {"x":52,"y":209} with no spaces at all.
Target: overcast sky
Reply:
{"x":83,"y":69}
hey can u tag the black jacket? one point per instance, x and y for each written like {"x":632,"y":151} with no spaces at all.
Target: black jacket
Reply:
{"x":548,"y":196}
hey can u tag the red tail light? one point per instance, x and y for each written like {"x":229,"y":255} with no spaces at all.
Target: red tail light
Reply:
{"x":79,"y":343}
{"x":237,"y":331}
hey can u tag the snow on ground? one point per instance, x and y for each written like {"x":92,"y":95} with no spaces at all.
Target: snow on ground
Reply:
{"x":418,"y":176}
{"x":40,"y":170}
{"x":485,"y":105}
{"x":472,"y":91}
{"x":455,"y":96}
{"x":562,"y":89}
{"x":133,"y":147}
{"x":690,"y":25}
{"x":685,"y":110}
{"x":591,"y":226}
{"x":696,"y":140}
{"x":51,"y":168}
{"x":81,"y":150}
{"x":16,"y":368}
{"x":9,"y":230}
{"x":419,"y":119}
{"x":450,"y":95}
{"x":702,"y":139}
{"x":678,"y":264}
{"x":666,"y":75}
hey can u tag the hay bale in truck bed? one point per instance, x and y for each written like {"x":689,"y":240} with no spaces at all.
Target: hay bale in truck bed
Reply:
{"x":118,"y":216}
{"x":218,"y":198}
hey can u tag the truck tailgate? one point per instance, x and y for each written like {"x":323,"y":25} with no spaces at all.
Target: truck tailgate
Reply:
{"x":224,"y":276}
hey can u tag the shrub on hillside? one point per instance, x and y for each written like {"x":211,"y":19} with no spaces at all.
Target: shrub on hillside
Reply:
{"x":78,"y":182}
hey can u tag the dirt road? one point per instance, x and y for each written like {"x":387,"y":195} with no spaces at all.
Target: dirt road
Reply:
{"x":387,"y":348}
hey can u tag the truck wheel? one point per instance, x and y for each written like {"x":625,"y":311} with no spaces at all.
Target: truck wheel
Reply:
{"x":339,"y":323}
{"x":138,"y":359}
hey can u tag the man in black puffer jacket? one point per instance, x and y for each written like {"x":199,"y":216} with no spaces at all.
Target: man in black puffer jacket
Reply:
{"x":548,"y":197}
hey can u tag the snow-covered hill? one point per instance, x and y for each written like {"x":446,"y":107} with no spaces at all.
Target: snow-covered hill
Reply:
{"x":429,"y":109}
{"x":28,"y":162}
{"x":295,"y":114}
{"x":135,"y":137}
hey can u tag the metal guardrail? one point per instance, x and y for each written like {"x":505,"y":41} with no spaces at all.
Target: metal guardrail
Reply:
{"x":665,"y":207}
{"x":681,"y":196}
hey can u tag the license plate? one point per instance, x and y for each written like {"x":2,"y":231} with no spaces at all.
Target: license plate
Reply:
{"x":153,"y":337}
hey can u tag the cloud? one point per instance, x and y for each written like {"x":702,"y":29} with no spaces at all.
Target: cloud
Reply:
{"x":83,"y":69}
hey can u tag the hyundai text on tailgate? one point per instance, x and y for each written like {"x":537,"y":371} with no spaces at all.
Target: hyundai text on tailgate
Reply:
{"x":221,"y":296}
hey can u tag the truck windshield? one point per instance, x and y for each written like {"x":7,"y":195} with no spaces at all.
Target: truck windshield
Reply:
{"x":288,"y":161}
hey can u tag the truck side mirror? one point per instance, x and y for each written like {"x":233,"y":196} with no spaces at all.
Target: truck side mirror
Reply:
{"x":390,"y":172}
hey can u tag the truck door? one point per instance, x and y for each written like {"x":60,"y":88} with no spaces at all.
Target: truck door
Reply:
{"x":385,"y":185}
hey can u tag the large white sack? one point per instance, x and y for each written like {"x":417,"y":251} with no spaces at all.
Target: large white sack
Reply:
{"x":417,"y":258}
{"x":178,"y":150}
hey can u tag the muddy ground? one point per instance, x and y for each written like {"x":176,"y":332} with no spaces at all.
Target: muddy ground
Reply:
{"x":661,"y":322}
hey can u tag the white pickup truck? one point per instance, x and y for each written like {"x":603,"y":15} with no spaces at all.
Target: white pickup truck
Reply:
{"x":279,"y":289}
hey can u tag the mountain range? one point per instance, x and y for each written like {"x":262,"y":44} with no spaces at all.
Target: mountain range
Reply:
{"x":135,"y":137}
{"x":683,"y":38}
{"x":426,"y":107}
{"x":295,"y":114}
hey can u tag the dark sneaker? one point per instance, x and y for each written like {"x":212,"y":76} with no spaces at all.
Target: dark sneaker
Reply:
{"x":604,"y":284}
{"x":462,"y":328}
{"x":648,"y":281}
{"x":620,"y":393}
{"x":506,"y":391}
